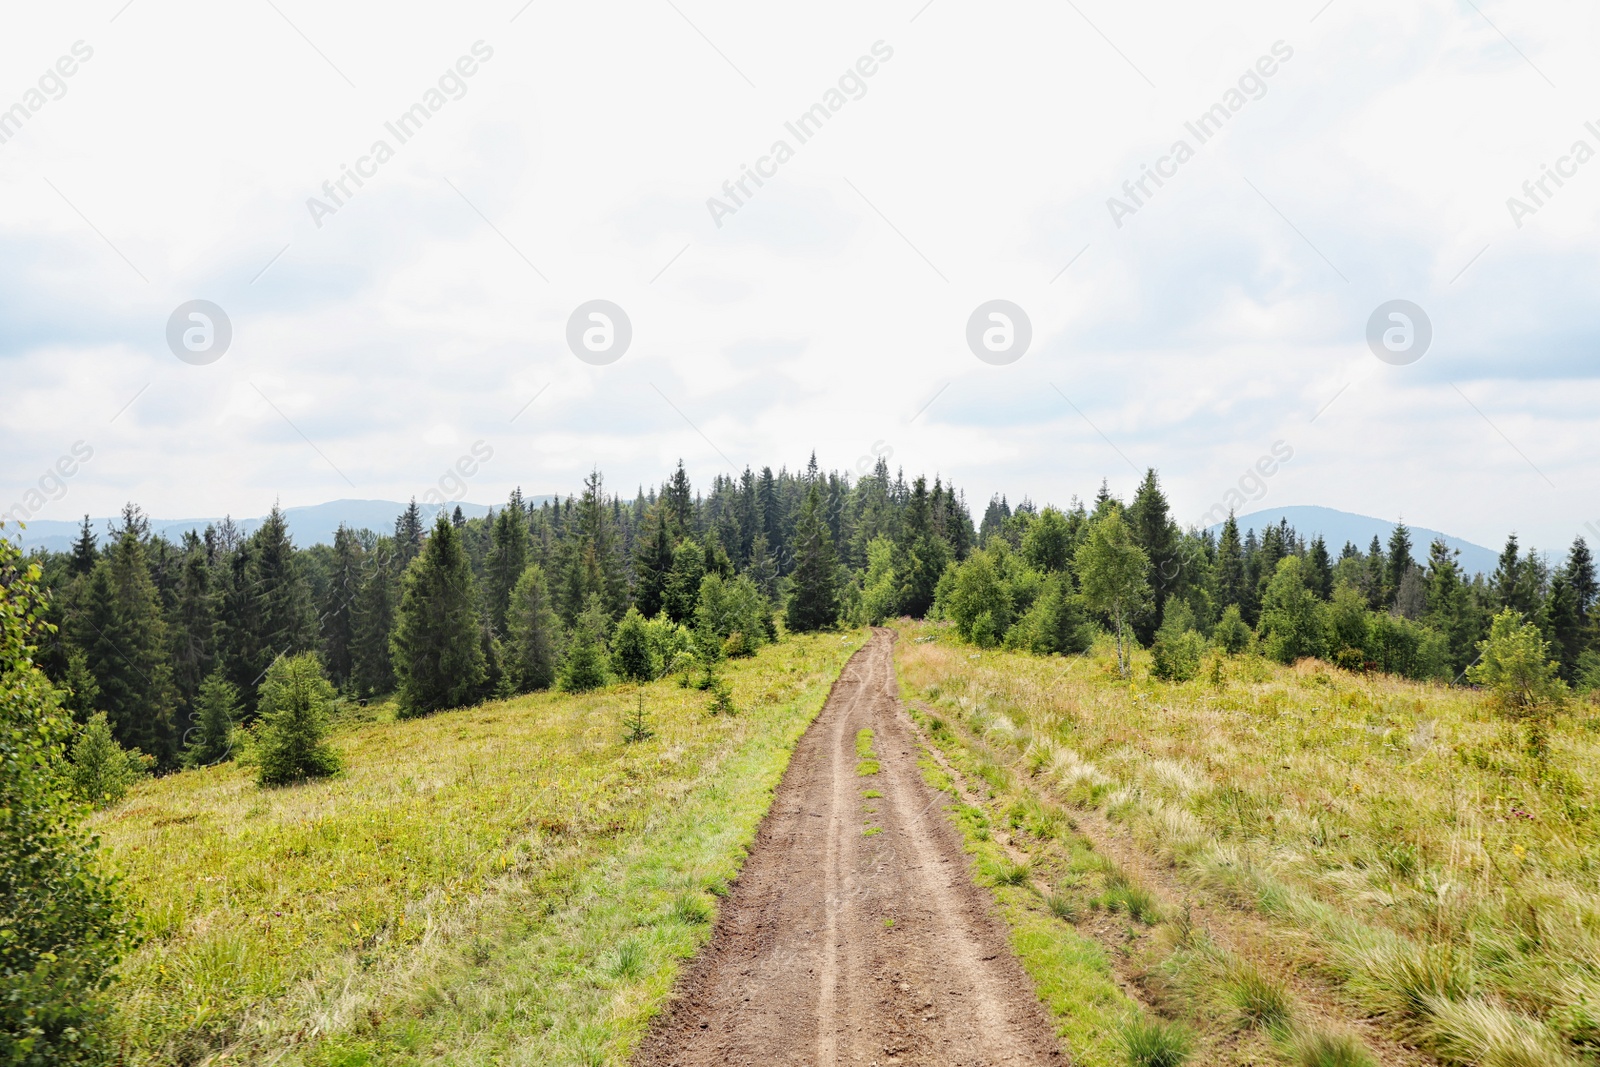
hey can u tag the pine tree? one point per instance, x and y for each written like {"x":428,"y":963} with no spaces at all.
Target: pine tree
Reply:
{"x":1400,"y":562}
{"x":283,"y":617}
{"x":1580,"y":572}
{"x":585,"y":667}
{"x":682,"y":588}
{"x":632,"y":656}
{"x":408,"y":531}
{"x":1319,"y":569}
{"x":338,"y":616}
{"x":592,"y":555}
{"x":814,"y":598}
{"x":193,"y":626}
{"x":85,"y":551}
{"x":1152,"y":529}
{"x":119,"y":627}
{"x":1232,"y":580}
{"x":371,"y":661}
{"x":763,"y":570}
{"x":210,"y":740}
{"x":437,"y":657}
{"x":1564,"y":625}
{"x":508,"y":558}
{"x":293,"y":742}
{"x":102,"y":770}
{"x":533,"y":648}
{"x":679,"y":504}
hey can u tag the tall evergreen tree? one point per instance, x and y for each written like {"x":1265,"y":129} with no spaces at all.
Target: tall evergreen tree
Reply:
{"x":1400,"y":562}
{"x":1319,"y":569}
{"x":438,"y":659}
{"x":1152,"y":529}
{"x":338,"y":615}
{"x":193,"y":627}
{"x":508,"y":558}
{"x":1233,"y":583}
{"x":377,"y":600}
{"x":1581,"y":577}
{"x":408,"y":531}
{"x":533,"y":646}
{"x":814,"y":598}
{"x":678,"y":500}
{"x":85,"y":550}
{"x":920,"y":555}
{"x":120,"y":628}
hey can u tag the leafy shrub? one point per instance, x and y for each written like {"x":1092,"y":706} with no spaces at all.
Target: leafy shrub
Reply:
{"x":1514,"y":663}
{"x":63,"y":925}
{"x":1231,"y":634}
{"x":1178,"y":647}
{"x":292,"y":734}
{"x":102,"y":770}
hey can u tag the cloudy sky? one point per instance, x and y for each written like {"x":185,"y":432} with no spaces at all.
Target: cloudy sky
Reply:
{"x":378,"y":336}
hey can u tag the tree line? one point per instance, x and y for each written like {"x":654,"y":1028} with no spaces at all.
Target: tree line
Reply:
{"x":169,"y":639}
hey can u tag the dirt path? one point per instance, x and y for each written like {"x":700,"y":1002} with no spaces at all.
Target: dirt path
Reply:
{"x":840,"y":946}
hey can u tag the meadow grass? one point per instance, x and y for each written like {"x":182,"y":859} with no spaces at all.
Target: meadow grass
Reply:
{"x":509,"y":883}
{"x":1401,"y":838}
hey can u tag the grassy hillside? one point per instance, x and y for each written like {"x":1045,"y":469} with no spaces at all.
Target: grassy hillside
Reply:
{"x":505,"y":884}
{"x":1275,"y":857}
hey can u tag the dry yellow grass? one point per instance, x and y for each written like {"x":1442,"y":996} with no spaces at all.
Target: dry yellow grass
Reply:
{"x":1401,"y":836}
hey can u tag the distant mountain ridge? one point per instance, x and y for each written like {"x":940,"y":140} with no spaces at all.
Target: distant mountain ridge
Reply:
{"x":1337,"y":527}
{"x":314,"y":524}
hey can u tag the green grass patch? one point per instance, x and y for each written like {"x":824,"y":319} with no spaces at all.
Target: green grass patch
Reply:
{"x":505,"y":883}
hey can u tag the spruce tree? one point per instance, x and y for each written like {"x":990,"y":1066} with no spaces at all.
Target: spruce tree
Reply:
{"x":533,"y":647}
{"x":102,"y":770}
{"x":679,"y":503}
{"x":283,"y":617}
{"x":508,"y":557}
{"x":85,"y":550}
{"x":338,"y":615}
{"x":632,"y":656}
{"x":119,"y":627}
{"x":216,"y":711}
{"x":814,"y":596}
{"x":292,"y":734}
{"x":653,"y":562}
{"x":193,"y":626}
{"x":1400,"y":562}
{"x":681,"y":591}
{"x":1319,"y":569}
{"x":585,"y":667}
{"x":371,"y":661}
{"x":408,"y":531}
{"x":437,"y":655}
{"x":1231,"y":578}
{"x":1580,"y":572}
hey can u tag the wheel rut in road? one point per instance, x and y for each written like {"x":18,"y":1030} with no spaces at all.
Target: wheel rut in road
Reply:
{"x":855,"y":933}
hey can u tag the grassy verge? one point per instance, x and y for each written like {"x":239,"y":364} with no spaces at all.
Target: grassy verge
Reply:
{"x":507,"y":884}
{"x":1071,"y":973}
{"x":1398,"y":840}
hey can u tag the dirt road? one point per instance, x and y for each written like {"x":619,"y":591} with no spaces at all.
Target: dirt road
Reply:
{"x":855,"y":934}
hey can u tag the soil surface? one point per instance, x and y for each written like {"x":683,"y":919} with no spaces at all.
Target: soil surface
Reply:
{"x":855,"y":933}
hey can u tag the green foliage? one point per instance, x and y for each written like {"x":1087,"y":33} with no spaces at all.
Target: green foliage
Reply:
{"x":1178,"y":647}
{"x":63,"y":927}
{"x":438,"y":654}
{"x":1112,"y":570}
{"x":975,"y":597}
{"x":632,"y":655}
{"x":1056,"y":622}
{"x":814,"y":596}
{"x":291,"y":737}
{"x":216,"y":712}
{"x":1514,"y":662}
{"x":585,"y":667}
{"x":1292,"y":620}
{"x":729,"y":607}
{"x":879,"y":588}
{"x":102,"y":770}
{"x":1231,"y":634}
{"x":637,"y":727}
{"x":533,"y":647}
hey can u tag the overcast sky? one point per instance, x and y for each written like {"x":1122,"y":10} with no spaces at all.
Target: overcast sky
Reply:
{"x":377,"y":337}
